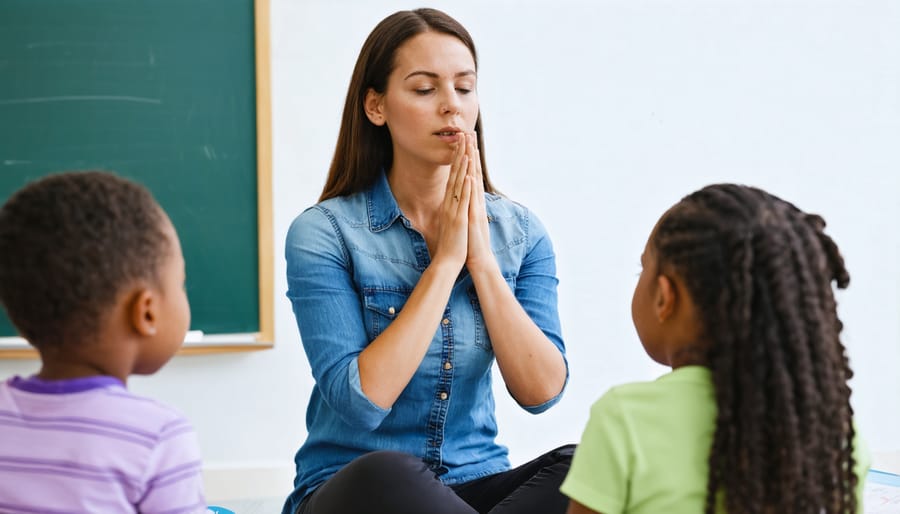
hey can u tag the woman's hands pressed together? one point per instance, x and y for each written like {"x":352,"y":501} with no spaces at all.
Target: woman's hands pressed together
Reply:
{"x":479,"y":256}
{"x":453,"y":237}
{"x":464,"y":233}
{"x":532,"y":367}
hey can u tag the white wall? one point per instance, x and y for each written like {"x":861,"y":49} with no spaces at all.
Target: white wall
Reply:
{"x":599,"y":116}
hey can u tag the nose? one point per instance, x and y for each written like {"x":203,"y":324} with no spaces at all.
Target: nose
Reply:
{"x":450,"y":104}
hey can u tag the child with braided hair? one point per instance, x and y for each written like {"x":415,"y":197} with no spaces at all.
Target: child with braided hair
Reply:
{"x":755,"y":418}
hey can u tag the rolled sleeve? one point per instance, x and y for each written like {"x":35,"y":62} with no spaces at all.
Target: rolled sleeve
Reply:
{"x":536,"y":291}
{"x":361,"y":403}
{"x":328,"y":311}
{"x":537,"y":409}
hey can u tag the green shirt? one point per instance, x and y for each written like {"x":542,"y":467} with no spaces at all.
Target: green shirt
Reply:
{"x":645,"y":449}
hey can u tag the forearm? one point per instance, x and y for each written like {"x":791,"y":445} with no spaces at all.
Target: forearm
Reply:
{"x":532,"y":366}
{"x":577,"y":508}
{"x":389,"y":362}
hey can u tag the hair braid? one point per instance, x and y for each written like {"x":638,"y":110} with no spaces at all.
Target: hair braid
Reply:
{"x":761,"y":271}
{"x":845,"y":486}
{"x":791,"y":388}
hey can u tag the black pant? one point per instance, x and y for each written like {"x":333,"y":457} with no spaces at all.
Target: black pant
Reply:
{"x":387,"y":482}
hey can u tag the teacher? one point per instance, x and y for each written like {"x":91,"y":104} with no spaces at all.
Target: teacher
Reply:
{"x":408,"y":279}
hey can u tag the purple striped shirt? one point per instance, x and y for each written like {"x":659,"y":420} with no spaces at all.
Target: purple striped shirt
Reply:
{"x":89,"y":445}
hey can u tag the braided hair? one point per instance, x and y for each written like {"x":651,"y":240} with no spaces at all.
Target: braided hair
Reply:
{"x":760,"y":271}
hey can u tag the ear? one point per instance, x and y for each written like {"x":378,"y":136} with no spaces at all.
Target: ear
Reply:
{"x":143,"y":312}
{"x":374,"y":107}
{"x":666,"y":297}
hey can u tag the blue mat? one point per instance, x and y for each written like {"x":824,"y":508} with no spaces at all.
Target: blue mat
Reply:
{"x":883,"y":478}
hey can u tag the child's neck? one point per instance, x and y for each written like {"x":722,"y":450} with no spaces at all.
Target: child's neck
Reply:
{"x":57,"y":364}
{"x":688,"y":355}
{"x":55,"y":371}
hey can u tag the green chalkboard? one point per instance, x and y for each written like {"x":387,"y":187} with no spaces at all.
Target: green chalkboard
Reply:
{"x":163,"y":92}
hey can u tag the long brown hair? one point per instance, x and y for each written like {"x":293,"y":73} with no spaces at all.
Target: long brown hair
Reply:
{"x":364,"y":149}
{"x":761,"y":273}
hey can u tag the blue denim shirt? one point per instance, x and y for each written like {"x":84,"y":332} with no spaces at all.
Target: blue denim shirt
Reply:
{"x":351,"y":264}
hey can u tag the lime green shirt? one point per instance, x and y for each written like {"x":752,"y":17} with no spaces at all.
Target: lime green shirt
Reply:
{"x":646,"y":446}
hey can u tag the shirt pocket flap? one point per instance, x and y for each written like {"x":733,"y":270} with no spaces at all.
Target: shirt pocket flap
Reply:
{"x":387,"y":302}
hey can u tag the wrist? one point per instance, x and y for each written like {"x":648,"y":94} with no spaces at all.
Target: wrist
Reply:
{"x":483,"y":268}
{"x":444,"y":268}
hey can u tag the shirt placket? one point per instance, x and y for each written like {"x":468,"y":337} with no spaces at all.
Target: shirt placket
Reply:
{"x":438,"y":412}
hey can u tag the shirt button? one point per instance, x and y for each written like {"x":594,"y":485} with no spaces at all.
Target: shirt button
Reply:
{"x":446,"y":321}
{"x":444,"y":396}
{"x":447,"y":365}
{"x":391,"y":310}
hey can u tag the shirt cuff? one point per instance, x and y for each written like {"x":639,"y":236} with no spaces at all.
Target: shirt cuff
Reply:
{"x":541,"y":407}
{"x":368,"y":414}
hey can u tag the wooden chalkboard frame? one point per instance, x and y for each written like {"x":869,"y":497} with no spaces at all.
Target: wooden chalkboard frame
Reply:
{"x":18,"y":348}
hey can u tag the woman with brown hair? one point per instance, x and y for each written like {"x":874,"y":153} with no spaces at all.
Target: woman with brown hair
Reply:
{"x":409,"y":279}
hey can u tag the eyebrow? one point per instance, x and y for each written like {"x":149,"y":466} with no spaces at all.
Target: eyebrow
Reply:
{"x":434,"y":75}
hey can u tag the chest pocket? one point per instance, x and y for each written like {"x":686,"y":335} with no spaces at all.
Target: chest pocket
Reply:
{"x":382,"y":305}
{"x":482,"y":338}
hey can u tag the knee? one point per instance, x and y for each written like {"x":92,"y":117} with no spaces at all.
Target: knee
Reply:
{"x":564,"y":453}
{"x":561,"y":458}
{"x":386,"y":466}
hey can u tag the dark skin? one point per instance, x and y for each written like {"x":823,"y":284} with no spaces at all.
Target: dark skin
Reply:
{"x":142,"y":329}
{"x":665,"y":315}
{"x":678,"y":323}
{"x":114,"y":350}
{"x":666,"y":318}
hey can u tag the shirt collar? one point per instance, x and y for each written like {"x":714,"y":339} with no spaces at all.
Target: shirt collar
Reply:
{"x":381,"y":204}
{"x":33,"y":384}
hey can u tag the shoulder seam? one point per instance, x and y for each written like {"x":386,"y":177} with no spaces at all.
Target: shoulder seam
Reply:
{"x":332,"y":220}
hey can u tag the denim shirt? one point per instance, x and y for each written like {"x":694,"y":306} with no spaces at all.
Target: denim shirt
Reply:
{"x":352,"y":262}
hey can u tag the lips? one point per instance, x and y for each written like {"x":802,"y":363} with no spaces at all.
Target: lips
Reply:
{"x":448,"y":131}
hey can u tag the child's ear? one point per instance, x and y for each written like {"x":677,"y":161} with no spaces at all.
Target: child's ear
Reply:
{"x":666,"y":297}
{"x":373,"y":106}
{"x":142,"y":315}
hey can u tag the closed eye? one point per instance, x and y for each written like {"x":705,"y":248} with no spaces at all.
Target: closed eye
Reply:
{"x":424,"y":91}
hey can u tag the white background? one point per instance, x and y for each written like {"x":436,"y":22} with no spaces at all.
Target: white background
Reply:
{"x":599,"y":116}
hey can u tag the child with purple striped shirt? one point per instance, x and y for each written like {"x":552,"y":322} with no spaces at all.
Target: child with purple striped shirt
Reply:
{"x":92,"y":275}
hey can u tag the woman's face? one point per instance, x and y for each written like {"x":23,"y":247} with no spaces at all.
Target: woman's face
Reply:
{"x":430,"y":97}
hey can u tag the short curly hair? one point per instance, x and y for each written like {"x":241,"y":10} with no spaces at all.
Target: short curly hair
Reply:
{"x":69,"y":244}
